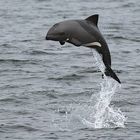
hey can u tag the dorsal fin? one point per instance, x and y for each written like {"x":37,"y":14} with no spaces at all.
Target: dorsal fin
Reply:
{"x":93,"y":19}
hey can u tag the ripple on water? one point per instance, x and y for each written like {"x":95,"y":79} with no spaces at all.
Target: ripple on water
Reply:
{"x":68,"y":77}
{"x":18,"y":127}
{"x":41,"y":84}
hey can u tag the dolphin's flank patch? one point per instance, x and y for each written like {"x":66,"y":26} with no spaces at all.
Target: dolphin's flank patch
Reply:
{"x":93,"y":44}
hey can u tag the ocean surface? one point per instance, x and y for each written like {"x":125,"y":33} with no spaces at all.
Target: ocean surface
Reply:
{"x":54,"y":92}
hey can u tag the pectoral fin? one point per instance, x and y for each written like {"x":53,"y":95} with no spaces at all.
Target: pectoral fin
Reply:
{"x":75,"y":42}
{"x":62,"y":42}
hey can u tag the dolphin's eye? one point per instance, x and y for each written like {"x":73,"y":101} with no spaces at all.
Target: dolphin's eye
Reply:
{"x":55,"y":25}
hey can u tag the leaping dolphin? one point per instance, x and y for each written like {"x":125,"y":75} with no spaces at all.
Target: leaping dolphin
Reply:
{"x":83,"y":33}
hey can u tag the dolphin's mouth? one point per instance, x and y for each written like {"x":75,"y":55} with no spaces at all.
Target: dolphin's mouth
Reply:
{"x":55,"y":37}
{"x":50,"y":37}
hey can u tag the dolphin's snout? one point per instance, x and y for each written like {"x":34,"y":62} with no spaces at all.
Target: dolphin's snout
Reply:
{"x":47,"y":38}
{"x":49,"y":34}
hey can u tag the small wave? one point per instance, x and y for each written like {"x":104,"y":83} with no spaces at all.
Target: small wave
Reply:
{"x":89,"y":70}
{"x":137,"y":50}
{"x":49,"y":93}
{"x":27,"y":128}
{"x":7,"y":100}
{"x":77,"y":94}
{"x":18,"y":61}
{"x":128,"y":5}
{"x":13,"y":60}
{"x":7,"y":45}
{"x":26,"y":40}
{"x":68,"y":77}
{"x":11,"y":100}
{"x":19,"y":127}
{"x":126,"y":52}
{"x":39,"y":52}
{"x":125,"y":38}
{"x":64,"y":111}
{"x":123,"y":103}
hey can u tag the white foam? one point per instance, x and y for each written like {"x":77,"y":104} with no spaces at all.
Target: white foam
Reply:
{"x":98,"y":113}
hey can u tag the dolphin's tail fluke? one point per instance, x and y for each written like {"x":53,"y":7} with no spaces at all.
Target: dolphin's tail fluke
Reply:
{"x":106,"y":60}
{"x":110,"y":72}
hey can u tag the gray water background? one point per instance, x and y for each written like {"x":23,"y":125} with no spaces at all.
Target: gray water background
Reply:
{"x":41,"y":83}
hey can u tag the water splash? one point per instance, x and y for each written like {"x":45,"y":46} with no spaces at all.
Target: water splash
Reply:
{"x":99,"y":113}
{"x":96,"y":113}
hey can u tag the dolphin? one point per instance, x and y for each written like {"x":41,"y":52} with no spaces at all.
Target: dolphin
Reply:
{"x":83,"y":33}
